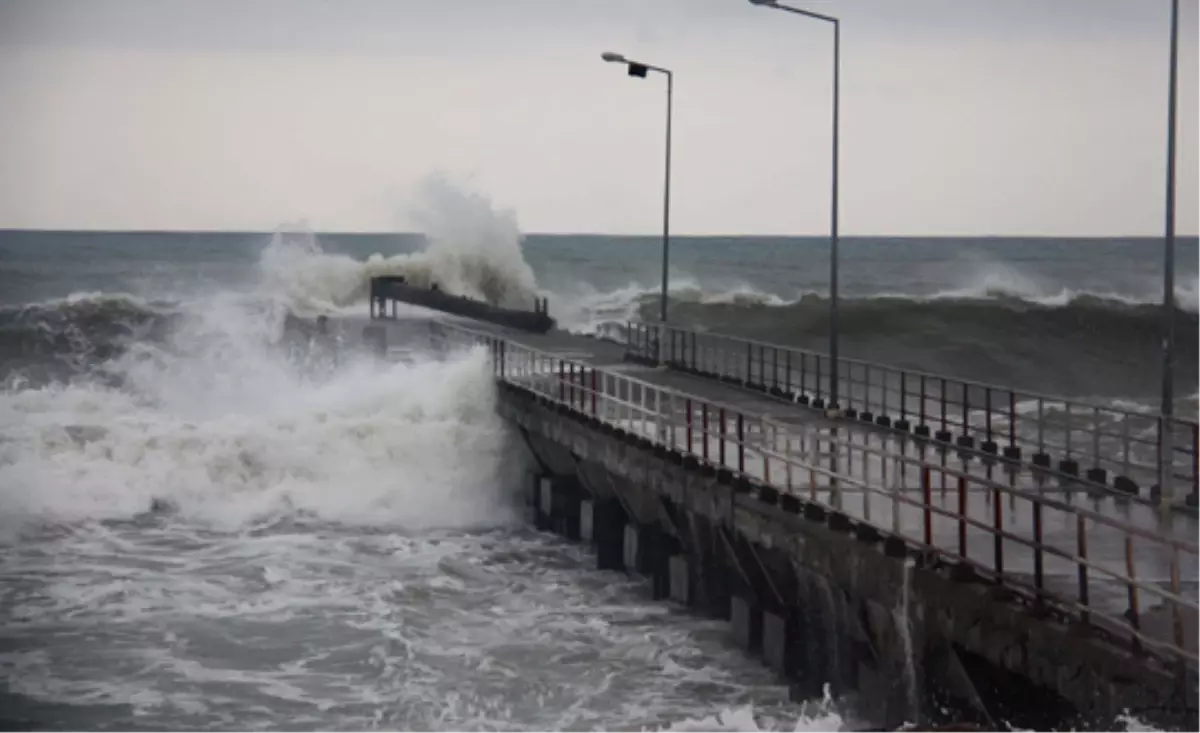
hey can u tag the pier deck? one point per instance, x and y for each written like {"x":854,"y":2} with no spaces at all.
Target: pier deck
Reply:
{"x":1113,"y":563}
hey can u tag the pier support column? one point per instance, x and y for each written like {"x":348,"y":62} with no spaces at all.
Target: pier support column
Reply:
{"x":557,"y":505}
{"x":630,"y":548}
{"x":780,"y":651}
{"x":745,"y":619}
{"x":608,"y":529}
{"x":544,"y":502}
{"x":664,"y":547}
{"x":564,"y":509}
{"x":679,"y":570}
{"x":587,"y":514}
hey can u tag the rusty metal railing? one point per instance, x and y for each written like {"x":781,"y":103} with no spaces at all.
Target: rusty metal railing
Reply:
{"x":1101,"y":447}
{"x":1120,"y":576}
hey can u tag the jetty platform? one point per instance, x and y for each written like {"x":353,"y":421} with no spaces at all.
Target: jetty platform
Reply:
{"x":932,"y":548}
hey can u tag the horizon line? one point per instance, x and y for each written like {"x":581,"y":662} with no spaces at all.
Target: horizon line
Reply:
{"x":654,"y":235}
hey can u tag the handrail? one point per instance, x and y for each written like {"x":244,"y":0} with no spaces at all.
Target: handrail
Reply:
{"x":753,"y":448}
{"x":1115,"y":444}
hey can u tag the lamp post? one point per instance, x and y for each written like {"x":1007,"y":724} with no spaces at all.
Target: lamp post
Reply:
{"x":1165,"y":437}
{"x":833,"y":217}
{"x":639,"y":70}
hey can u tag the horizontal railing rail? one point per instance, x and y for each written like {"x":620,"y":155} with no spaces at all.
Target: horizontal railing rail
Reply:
{"x":1107,"y":448}
{"x":1121,"y":577}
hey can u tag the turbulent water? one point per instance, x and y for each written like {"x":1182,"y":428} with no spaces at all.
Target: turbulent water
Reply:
{"x":200,"y":530}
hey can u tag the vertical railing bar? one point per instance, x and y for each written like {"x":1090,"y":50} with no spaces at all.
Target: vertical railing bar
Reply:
{"x":962,"y":516}
{"x":998,"y":538}
{"x":927,"y":491}
{"x":1038,"y":558}
{"x":1012,"y":419}
{"x":741,"y":441}
{"x":787,"y":372}
{"x":1082,"y":549}
{"x":721,"y":447}
{"x":1135,"y":616}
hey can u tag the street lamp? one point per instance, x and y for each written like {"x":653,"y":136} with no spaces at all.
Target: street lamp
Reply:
{"x":639,"y":70}
{"x":833,"y":217}
{"x":1165,"y":433}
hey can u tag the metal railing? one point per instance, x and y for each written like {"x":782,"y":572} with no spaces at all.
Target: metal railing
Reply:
{"x":1104,"y":447}
{"x":1123,"y":578}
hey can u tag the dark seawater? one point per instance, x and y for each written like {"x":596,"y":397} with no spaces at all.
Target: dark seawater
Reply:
{"x":1078,"y":318}
{"x":199,"y":531}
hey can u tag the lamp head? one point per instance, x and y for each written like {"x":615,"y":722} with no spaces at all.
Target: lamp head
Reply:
{"x":611,"y":57}
{"x":764,"y":2}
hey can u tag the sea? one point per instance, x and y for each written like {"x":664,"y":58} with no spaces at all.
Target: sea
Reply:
{"x":200,"y":531}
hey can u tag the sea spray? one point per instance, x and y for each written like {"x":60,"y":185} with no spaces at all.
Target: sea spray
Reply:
{"x":218,"y":423}
{"x":472,"y":249}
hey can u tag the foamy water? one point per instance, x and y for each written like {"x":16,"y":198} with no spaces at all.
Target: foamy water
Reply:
{"x":208,"y":530}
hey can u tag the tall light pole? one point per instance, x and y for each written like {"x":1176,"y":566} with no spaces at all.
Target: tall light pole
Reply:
{"x":639,"y":70}
{"x":1165,"y":442}
{"x":833,"y":217}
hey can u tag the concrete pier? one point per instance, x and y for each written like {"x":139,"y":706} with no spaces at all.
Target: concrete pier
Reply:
{"x":925,"y":582}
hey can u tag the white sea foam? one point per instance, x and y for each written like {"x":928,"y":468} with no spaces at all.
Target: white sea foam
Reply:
{"x":473,"y":249}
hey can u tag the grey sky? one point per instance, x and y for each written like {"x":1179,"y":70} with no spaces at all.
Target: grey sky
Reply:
{"x":959,"y":116}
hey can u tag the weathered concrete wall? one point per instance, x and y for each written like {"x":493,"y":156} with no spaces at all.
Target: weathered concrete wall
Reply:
{"x":826,"y":602}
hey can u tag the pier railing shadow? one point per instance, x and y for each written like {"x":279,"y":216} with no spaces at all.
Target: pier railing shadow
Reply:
{"x":1121,"y":574}
{"x":1104,"y":448}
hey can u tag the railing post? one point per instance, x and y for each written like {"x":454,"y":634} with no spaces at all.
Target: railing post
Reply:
{"x":927,"y":504}
{"x":998,"y":524}
{"x":1038,"y":567}
{"x":942,"y":399}
{"x":704,"y":430}
{"x":966,"y":417}
{"x":688,"y":407}
{"x":962,"y":516}
{"x":817,"y":390}
{"x":1082,"y":551}
{"x":593,"y":391}
{"x":762,"y":426}
{"x":741,"y":437}
{"x":866,"y":402}
{"x":721,"y":447}
{"x":987,"y":412}
{"x":924,"y":399}
{"x":562,"y":380}
{"x":1135,"y":615}
{"x":1012,"y":419}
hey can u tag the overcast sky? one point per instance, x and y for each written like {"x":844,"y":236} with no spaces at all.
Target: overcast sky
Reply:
{"x":1039,"y":117}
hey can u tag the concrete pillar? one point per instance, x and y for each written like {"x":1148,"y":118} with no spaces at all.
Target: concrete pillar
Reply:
{"x":608,"y":528}
{"x":629,"y":548}
{"x":813,"y":663}
{"x":564,"y":510}
{"x":545,"y":502}
{"x":745,"y":618}
{"x":678,"y":570}
{"x":778,"y":630}
{"x":586,"y":521}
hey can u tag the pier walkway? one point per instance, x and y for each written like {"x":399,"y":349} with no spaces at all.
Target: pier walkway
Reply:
{"x":1042,"y":497}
